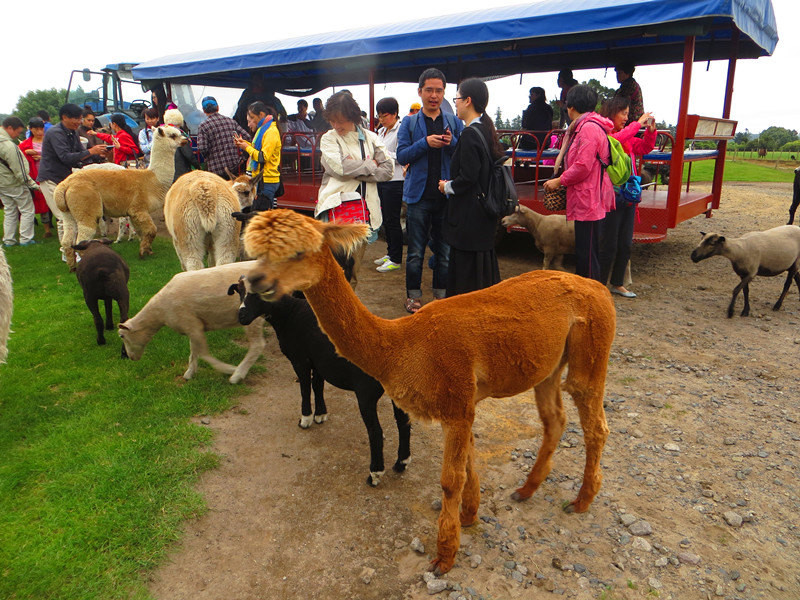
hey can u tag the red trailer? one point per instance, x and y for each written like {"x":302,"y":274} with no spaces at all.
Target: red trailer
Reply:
{"x":542,"y":37}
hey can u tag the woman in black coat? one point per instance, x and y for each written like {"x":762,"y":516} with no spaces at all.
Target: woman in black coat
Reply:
{"x":468,"y":227}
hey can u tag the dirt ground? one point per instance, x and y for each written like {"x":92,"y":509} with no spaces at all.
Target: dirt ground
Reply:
{"x":700,"y":491}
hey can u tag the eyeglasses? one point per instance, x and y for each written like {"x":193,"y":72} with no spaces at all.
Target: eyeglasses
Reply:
{"x":437,"y":91}
{"x":456,"y":98}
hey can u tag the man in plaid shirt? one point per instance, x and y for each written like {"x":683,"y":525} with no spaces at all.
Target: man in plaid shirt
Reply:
{"x":215,"y":140}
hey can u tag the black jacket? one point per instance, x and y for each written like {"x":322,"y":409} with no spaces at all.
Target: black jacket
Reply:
{"x":467,"y":225}
{"x":537,"y":117}
{"x":61,"y":151}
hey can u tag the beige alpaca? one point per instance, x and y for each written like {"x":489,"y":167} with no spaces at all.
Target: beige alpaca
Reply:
{"x":197,"y":211}
{"x":6,"y":305}
{"x":440,"y":362}
{"x":84,"y":197}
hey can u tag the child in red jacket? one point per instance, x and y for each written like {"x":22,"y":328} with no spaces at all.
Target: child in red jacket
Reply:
{"x":125,"y":145}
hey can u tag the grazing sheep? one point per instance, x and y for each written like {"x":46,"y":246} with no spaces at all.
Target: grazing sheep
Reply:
{"x":553,"y":235}
{"x":316,"y":361}
{"x":103,"y":275}
{"x":197,"y":211}
{"x":6,"y":305}
{"x":766,"y":253}
{"x":88,"y":195}
{"x":192,"y":303}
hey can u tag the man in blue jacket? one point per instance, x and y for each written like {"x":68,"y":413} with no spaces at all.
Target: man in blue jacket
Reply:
{"x":425,"y":142}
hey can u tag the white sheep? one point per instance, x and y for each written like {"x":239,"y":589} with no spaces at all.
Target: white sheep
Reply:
{"x":766,"y":253}
{"x":192,"y":303}
{"x":197,"y":212}
{"x":6,"y":305}
{"x":553,"y":235}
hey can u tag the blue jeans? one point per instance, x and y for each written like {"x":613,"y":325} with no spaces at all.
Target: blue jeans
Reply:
{"x":266,"y":196}
{"x":424,"y":222}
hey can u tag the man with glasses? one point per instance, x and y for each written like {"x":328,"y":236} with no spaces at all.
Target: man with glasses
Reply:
{"x":425,"y":142}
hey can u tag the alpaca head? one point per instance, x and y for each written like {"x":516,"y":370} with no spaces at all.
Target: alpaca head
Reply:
{"x":245,"y":187}
{"x":291,"y":248}
{"x":170,"y":136}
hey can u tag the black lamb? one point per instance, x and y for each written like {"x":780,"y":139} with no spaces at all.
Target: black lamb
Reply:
{"x":103,"y":274}
{"x":315,"y":361}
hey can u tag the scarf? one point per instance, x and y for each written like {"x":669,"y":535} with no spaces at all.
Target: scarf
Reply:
{"x":263,"y":125}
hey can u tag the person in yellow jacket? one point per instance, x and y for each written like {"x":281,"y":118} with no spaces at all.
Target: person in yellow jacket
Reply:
{"x":264,"y":153}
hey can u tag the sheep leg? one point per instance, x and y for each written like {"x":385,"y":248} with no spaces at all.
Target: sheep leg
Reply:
{"x":147,"y":231}
{"x":404,"y":439}
{"x":471,"y":494}
{"x":123,"y":302}
{"x":109,"y":313}
{"x":303,"y":370}
{"x":789,"y":277}
{"x":368,"y":406}
{"x":454,"y":475}
{"x":255,"y":346}
{"x":318,"y":387}
{"x":198,"y":348}
{"x":746,"y":293}
{"x":742,"y":284}
{"x":551,"y":412}
{"x":94,"y":308}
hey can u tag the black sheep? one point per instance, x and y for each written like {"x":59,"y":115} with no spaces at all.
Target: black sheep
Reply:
{"x":315,"y":361}
{"x":103,"y":275}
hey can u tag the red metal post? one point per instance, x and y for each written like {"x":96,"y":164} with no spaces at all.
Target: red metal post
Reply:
{"x":372,"y":99}
{"x":722,"y":147}
{"x":676,"y":164}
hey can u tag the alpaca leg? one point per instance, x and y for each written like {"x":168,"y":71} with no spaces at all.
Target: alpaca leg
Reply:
{"x":368,"y":406}
{"x":404,"y":439}
{"x":69,"y":238}
{"x":303,"y":370}
{"x":191,"y":250}
{"x":551,"y":412}
{"x":471,"y":494}
{"x":789,"y":277}
{"x":546,"y":261}
{"x":255,"y":346}
{"x":147,"y":231}
{"x":454,"y":475}
{"x":318,"y":387}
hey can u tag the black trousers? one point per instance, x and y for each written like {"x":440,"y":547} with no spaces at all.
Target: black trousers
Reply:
{"x":616,"y":240}
{"x":587,"y":241}
{"x":391,"y":194}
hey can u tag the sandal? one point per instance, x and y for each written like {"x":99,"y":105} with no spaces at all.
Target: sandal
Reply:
{"x":413,"y":305}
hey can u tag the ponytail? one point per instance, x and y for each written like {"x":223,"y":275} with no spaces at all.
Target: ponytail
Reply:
{"x":494,"y":142}
{"x":476,"y":89}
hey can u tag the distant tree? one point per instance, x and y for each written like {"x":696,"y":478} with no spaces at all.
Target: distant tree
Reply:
{"x":50,"y":100}
{"x":499,"y":123}
{"x":774,"y":137}
{"x":556,"y":110}
{"x":603,"y":93}
{"x":791,"y":146}
{"x":516,"y":122}
{"x":742,"y":137}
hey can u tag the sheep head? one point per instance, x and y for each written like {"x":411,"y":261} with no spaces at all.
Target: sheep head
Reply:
{"x":711,"y":245}
{"x":289,"y":248}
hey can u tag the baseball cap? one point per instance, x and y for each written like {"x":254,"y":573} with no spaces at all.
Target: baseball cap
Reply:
{"x":416,"y":106}
{"x":209,"y":102}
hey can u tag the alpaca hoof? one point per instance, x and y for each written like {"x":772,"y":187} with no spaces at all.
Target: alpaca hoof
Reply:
{"x":519,"y":496}
{"x":320,"y":419}
{"x":305,"y":422}
{"x":467,"y":520}
{"x":439,"y":566}
{"x":569,"y":508}
{"x":401,"y":465}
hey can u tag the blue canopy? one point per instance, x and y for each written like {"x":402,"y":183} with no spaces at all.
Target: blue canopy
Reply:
{"x":541,"y":37}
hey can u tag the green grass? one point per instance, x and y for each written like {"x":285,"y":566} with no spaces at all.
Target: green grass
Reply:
{"x":99,"y":457}
{"x":739,"y":170}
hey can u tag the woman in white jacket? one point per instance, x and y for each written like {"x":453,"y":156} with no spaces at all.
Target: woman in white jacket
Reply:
{"x":355,"y":160}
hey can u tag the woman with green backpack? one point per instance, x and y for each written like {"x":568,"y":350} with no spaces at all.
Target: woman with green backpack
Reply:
{"x":616,"y":232}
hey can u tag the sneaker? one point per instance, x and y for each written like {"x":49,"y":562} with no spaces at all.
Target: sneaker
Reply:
{"x":388,"y":266}
{"x":28,"y":243}
{"x":381,"y":260}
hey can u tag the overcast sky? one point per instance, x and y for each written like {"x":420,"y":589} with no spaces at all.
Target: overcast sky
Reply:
{"x":41,"y":43}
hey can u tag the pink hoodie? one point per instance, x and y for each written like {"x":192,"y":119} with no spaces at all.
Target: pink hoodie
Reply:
{"x":583,"y":174}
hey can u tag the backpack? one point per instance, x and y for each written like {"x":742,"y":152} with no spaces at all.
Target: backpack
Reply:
{"x":619,"y":167}
{"x":500,"y":198}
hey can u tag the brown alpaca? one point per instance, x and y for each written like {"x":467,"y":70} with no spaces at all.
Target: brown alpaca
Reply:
{"x":440,"y":362}
{"x":86,"y":196}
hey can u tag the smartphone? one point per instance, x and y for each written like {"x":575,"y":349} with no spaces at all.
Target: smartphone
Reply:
{"x":109,"y":146}
{"x":651,"y":121}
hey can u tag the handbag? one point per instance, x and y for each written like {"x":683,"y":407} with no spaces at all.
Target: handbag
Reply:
{"x":555,"y":200}
{"x":353,"y":206}
{"x":280,"y":191}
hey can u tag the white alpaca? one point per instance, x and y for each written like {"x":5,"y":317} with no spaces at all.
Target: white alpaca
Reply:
{"x":88,"y":195}
{"x":197,"y":211}
{"x":6,"y":305}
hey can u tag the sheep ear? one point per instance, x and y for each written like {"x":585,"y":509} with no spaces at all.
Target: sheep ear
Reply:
{"x":233,"y":289}
{"x":702,"y":234}
{"x":123,"y":327}
{"x":721,"y":239}
{"x":105,"y":241}
{"x":81,"y":245}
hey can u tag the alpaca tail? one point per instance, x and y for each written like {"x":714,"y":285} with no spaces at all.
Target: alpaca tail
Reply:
{"x":60,"y":195}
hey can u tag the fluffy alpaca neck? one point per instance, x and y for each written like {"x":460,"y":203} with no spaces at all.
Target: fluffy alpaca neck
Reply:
{"x":357,"y":334}
{"x":162,"y":162}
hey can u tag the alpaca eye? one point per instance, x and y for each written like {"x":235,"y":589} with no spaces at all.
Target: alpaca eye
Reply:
{"x":298,"y":256}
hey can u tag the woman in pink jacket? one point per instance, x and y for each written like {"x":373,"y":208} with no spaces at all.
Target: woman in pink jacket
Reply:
{"x":616,"y":233}
{"x":590,"y":194}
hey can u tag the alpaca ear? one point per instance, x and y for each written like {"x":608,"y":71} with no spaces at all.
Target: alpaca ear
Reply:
{"x":344,"y":236}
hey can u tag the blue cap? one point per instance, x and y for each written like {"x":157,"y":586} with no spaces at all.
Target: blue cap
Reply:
{"x":209,"y":102}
